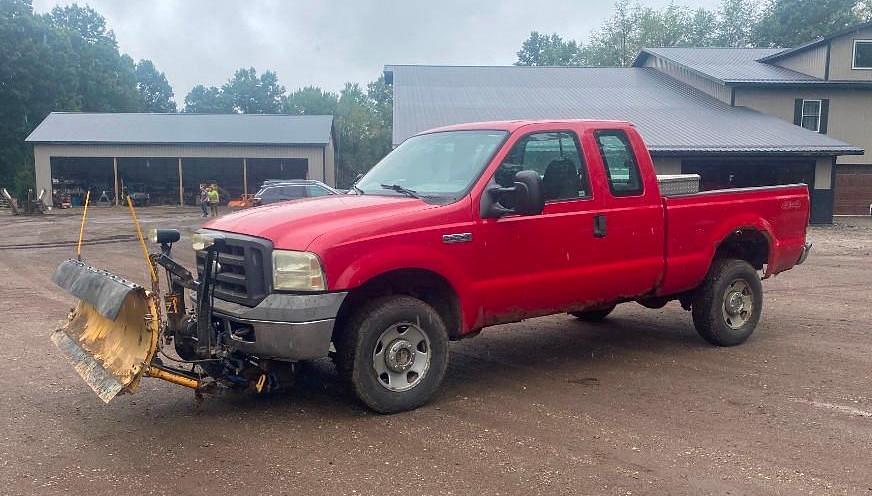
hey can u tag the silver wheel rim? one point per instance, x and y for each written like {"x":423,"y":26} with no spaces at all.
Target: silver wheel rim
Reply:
{"x":738,"y":304}
{"x":401,"y":357}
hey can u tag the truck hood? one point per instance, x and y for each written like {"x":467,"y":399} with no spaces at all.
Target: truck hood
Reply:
{"x":293,"y":225}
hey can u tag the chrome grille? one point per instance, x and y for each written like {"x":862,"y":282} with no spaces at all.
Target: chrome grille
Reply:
{"x":244,"y":269}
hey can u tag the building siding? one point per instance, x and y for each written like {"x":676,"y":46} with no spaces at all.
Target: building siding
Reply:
{"x":842,"y":57}
{"x":812,"y":62}
{"x":686,"y":76}
{"x":849,"y":115}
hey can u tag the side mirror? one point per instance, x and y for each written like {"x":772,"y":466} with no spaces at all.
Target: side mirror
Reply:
{"x":525,"y":197}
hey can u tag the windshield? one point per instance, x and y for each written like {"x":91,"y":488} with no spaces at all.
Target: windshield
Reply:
{"x":441,"y":166}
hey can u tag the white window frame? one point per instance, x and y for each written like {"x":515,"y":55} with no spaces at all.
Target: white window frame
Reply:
{"x":854,"y":55}
{"x":803,"y":115}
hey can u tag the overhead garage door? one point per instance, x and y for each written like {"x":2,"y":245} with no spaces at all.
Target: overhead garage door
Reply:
{"x":853,"y":189}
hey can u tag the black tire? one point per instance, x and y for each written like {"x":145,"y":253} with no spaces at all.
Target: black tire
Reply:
{"x":593,"y":315}
{"x":358,"y":342}
{"x":711,"y":316}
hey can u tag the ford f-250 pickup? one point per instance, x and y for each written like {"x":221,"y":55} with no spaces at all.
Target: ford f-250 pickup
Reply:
{"x":465,"y":227}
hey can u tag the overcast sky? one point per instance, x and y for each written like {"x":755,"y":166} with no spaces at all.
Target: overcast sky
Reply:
{"x":326,"y":43}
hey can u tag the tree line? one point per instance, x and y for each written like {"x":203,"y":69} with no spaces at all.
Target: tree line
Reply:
{"x":363,"y":116}
{"x":735,"y":23}
{"x":65,"y":60}
{"x":68,"y":60}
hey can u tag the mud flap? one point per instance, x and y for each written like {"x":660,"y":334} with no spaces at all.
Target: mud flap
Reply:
{"x":111,"y":336}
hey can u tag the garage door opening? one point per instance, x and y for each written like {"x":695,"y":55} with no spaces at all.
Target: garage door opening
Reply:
{"x":736,"y":173}
{"x":261,"y":169}
{"x":72,"y":177}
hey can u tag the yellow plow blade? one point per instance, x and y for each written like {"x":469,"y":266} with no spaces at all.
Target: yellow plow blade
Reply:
{"x":112,"y":334}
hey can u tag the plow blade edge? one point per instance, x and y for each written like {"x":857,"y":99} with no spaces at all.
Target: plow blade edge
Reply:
{"x":111,"y":335}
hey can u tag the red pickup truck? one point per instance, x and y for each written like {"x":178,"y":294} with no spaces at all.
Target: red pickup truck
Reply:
{"x":473,"y":225}
{"x":457,"y":229}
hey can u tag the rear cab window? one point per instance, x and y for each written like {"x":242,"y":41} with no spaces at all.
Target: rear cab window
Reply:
{"x":621,"y":167}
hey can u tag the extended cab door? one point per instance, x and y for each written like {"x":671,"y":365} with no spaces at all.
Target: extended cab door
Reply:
{"x":630,"y":224}
{"x":541,"y":264}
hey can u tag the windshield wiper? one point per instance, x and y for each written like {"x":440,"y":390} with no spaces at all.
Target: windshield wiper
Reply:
{"x":401,"y":189}
{"x":357,"y":188}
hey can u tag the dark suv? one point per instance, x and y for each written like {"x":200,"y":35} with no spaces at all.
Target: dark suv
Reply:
{"x":276,"y":190}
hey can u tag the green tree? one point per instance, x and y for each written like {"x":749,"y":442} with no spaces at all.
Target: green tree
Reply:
{"x":363,"y":131}
{"x":786,"y":23}
{"x":85,"y":21}
{"x":67,"y":60}
{"x":545,"y":50}
{"x":249,"y":93}
{"x":311,"y":100}
{"x":106,"y":78}
{"x":616,"y":42}
{"x":381,"y":97}
{"x":703,"y":28}
{"x":863,"y":10}
{"x":35,"y":78}
{"x":737,"y":19}
{"x":155,"y":91}
{"x":203,"y":100}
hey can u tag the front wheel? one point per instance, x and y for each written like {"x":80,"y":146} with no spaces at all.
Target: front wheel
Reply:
{"x":727,"y":306}
{"x":393,"y":353}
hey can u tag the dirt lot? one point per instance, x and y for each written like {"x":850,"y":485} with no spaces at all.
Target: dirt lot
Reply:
{"x":637,"y":405}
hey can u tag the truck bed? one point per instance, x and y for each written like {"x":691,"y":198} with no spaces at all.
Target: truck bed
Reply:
{"x":697,"y":223}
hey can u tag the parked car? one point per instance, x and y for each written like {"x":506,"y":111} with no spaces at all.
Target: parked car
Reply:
{"x":276,"y":190}
{"x":458,"y":229}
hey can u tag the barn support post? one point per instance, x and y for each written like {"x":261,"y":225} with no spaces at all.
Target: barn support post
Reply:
{"x":244,"y":176}
{"x":181,"y":185}
{"x":115,"y":182}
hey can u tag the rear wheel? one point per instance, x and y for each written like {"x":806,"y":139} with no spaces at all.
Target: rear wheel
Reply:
{"x":727,"y":306}
{"x":594,"y":315}
{"x":393,"y":353}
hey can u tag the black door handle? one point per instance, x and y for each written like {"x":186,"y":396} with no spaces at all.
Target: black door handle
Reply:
{"x":599,"y":226}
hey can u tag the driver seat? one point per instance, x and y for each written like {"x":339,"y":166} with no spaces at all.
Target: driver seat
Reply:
{"x":560,"y":180}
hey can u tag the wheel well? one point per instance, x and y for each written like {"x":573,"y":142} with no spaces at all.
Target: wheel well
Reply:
{"x":745,"y":244}
{"x":425,"y":285}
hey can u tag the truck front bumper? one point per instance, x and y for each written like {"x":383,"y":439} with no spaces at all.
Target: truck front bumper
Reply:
{"x":284,"y":326}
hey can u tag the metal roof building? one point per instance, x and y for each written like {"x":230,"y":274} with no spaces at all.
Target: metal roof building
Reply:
{"x":169,"y":155}
{"x":686,"y":129}
{"x":673,"y":117}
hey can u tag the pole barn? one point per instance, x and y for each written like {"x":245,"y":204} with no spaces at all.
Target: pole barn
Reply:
{"x":165,"y":157}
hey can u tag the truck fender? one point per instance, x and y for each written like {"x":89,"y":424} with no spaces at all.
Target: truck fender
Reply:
{"x":404,"y":257}
{"x":733,"y":225}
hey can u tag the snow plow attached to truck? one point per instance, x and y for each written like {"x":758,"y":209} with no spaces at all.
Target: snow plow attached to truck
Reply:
{"x":457,"y":229}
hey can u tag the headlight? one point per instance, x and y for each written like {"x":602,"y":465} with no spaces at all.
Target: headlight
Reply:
{"x":201,"y":241}
{"x":297,"y":271}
